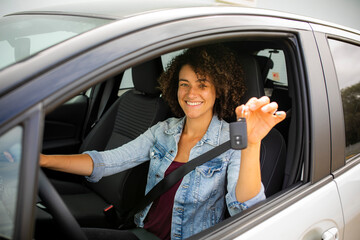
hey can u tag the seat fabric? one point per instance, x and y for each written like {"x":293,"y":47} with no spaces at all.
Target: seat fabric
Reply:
{"x":272,"y":162}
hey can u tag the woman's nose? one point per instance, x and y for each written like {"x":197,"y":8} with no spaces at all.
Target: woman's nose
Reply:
{"x":192,"y":92}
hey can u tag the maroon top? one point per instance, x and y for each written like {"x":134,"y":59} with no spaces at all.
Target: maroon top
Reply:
{"x":158,"y":220}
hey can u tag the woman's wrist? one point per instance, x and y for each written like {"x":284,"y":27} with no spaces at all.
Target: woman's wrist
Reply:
{"x":252,"y":147}
{"x":43,"y":160}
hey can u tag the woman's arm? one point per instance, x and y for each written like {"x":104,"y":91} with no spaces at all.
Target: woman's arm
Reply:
{"x":261,"y":116}
{"x":80,"y":164}
{"x":249,"y":181}
{"x":97,"y":164}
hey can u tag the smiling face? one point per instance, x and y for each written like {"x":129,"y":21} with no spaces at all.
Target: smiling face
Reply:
{"x":196,"y":94}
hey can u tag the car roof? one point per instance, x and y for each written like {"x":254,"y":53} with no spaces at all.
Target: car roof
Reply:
{"x":118,"y":9}
{"x":157,"y":10}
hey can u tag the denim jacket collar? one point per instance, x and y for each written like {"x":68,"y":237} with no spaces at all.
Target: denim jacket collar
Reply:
{"x":212,"y":135}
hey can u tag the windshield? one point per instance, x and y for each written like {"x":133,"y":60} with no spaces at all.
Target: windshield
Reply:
{"x":22,"y":36}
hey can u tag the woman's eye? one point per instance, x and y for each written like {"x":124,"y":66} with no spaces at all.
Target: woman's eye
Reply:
{"x":203,"y":86}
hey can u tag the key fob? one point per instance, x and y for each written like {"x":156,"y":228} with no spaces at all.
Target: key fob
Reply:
{"x":238,"y":134}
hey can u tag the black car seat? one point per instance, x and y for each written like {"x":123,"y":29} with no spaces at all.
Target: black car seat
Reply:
{"x":265,"y":64}
{"x":273,"y":147}
{"x":132,"y":114}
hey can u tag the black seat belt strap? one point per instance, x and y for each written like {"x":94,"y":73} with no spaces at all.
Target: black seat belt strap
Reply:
{"x":166,"y":183}
{"x":104,"y":100}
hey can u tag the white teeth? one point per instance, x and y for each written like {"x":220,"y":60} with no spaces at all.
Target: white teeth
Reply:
{"x":193,"y":103}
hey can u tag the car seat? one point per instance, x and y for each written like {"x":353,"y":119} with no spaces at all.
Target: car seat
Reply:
{"x":265,"y":64}
{"x":130,"y":115}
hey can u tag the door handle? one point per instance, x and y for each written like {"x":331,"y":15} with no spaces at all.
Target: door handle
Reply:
{"x":331,"y":234}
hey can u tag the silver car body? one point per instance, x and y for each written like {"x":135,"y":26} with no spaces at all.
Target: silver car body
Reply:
{"x":325,"y":207}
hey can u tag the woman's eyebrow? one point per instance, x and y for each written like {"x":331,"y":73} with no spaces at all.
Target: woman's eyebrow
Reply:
{"x":183,"y":80}
{"x":202,"y":80}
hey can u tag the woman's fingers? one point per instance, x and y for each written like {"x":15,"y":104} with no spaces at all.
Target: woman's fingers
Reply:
{"x":241,"y":111}
{"x":261,"y":116}
{"x":255,"y":103}
{"x":280,"y":115}
{"x":270,"y":108}
{"x":252,"y":105}
{"x":264,"y":105}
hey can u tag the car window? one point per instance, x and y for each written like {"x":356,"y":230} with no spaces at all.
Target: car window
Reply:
{"x":346,"y":58}
{"x":10,"y":156}
{"x":126,"y":82}
{"x":277,"y":73}
{"x":166,"y":58}
{"x":23,"y":36}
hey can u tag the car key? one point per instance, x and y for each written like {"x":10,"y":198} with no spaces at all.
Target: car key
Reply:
{"x":238,"y":134}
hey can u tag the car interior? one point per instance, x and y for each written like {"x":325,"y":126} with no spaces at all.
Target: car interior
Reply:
{"x":109,"y":115}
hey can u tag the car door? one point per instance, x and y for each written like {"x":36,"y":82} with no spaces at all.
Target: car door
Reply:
{"x":307,"y":208}
{"x":340,"y":51}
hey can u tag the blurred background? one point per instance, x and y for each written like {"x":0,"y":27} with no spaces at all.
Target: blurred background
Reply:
{"x":343,"y":12}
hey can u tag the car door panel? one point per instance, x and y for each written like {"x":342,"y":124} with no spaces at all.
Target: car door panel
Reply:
{"x":333,"y":45}
{"x":308,"y":218}
{"x":64,"y":126}
{"x":348,"y":184}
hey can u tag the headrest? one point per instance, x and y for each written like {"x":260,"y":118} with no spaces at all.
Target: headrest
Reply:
{"x":252,"y":77}
{"x":265,"y":64}
{"x":145,"y":76}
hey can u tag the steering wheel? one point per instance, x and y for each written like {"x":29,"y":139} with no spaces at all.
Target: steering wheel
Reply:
{"x":59,"y":211}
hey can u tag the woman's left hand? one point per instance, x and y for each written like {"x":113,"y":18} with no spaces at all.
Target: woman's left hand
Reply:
{"x":261,"y":116}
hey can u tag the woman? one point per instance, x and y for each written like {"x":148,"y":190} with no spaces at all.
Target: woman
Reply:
{"x":203,"y":86}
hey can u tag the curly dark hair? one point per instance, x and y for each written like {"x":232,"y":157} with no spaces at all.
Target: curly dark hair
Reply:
{"x":216,"y":61}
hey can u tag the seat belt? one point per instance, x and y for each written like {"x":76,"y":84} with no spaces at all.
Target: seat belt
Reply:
{"x":166,"y":183}
{"x":104,"y":100}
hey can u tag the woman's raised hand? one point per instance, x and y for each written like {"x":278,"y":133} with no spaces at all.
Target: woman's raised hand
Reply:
{"x":261,"y":116}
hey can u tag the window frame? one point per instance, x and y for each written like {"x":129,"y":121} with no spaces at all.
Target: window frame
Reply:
{"x":344,"y":41}
{"x":16,"y":173}
{"x":322,"y":33}
{"x":293,"y":55}
{"x":31,"y":123}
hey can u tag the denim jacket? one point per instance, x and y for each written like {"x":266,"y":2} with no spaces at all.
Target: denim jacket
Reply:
{"x":201,"y":197}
